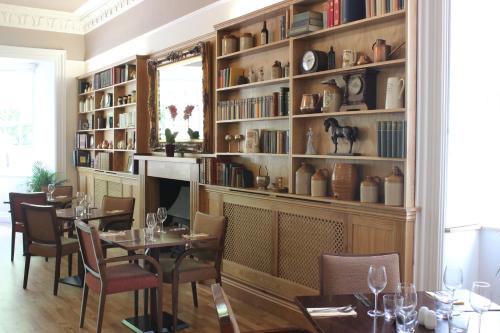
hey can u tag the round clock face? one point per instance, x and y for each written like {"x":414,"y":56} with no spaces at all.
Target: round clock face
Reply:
{"x":355,"y":85}
{"x":308,"y":61}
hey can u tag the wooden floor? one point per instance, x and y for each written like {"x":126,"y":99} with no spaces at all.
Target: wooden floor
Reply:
{"x":37,"y":310}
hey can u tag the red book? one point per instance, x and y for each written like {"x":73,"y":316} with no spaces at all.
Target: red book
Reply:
{"x":336,"y":12}
{"x":329,"y":14}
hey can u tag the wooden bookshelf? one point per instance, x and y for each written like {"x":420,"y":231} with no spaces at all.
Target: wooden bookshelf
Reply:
{"x":251,"y":119}
{"x":349,"y":113}
{"x":256,"y":49}
{"x":255,"y":84}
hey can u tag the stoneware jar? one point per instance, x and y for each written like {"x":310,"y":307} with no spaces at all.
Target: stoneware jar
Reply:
{"x":303,"y":179}
{"x":344,"y":181}
{"x":319,"y":183}
{"x":394,"y":188}
{"x":276,"y":71}
{"x":246,"y":41}
{"x":368,"y":190}
{"x":229,"y":44}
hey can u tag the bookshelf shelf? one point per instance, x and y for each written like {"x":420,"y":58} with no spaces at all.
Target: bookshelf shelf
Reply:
{"x":86,"y":112}
{"x":255,"y":84}
{"x":85,"y":131}
{"x":252,"y":119}
{"x":253,"y":154}
{"x":125,"y":83}
{"x":86,"y":93}
{"x":337,"y":71}
{"x":124,"y":128}
{"x":352,"y":25}
{"x":104,"y":109}
{"x":256,"y":49}
{"x":104,"y":129}
{"x":350,"y":113}
{"x":350,"y":157}
{"x":124,"y":105}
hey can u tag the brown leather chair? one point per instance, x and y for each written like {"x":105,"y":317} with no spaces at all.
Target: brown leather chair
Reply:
{"x":347,"y":274}
{"x":106,"y":279}
{"x":16,"y":214}
{"x":45,"y":239}
{"x":119,"y":222}
{"x":227,"y":319}
{"x":199,"y":263}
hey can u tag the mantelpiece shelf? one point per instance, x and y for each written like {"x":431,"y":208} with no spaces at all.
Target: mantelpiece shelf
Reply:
{"x":339,"y":71}
{"x":353,"y":25}
{"x":349,"y":113}
{"x":251,"y":119}
{"x":256,"y":84}
{"x":351,"y":157}
{"x":256,"y":49}
{"x":253,"y":154}
{"x":329,"y":200}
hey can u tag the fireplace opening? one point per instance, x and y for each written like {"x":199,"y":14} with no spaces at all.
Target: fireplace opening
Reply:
{"x":174,"y":195}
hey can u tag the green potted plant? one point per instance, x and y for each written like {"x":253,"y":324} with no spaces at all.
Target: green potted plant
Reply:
{"x":170,"y":142}
{"x":193,"y":135}
{"x":41,"y":176}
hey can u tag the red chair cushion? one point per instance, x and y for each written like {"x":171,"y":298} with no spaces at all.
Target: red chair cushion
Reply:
{"x":127,"y":277}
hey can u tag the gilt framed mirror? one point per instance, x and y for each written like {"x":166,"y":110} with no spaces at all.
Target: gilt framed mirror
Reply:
{"x":179,"y":99}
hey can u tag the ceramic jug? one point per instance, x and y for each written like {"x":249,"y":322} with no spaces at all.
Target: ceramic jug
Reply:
{"x":303,"y":179}
{"x":394,"y":188}
{"x":368,"y":191}
{"x":395,"y":93}
{"x":319,"y":183}
{"x":344,"y":181}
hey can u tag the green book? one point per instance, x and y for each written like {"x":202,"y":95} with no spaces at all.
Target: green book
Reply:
{"x":394,"y":150}
{"x":383,"y":138}
{"x":379,"y":138}
{"x":388,"y":135}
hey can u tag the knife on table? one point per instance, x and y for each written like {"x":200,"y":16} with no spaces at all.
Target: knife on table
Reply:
{"x":363,"y":299}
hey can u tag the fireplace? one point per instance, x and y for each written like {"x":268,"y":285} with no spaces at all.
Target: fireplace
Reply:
{"x":174,"y":195}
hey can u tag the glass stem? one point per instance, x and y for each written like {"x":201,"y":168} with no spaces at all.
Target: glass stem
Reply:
{"x":479,"y":327}
{"x":376,"y":297}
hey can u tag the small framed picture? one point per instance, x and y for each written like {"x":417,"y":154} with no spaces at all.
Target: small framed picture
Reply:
{"x":252,"y":141}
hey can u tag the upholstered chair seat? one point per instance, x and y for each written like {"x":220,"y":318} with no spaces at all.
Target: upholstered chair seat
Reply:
{"x":68,"y":246}
{"x":189,"y":270}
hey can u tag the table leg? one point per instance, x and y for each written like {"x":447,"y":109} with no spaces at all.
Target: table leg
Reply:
{"x":76,"y":280}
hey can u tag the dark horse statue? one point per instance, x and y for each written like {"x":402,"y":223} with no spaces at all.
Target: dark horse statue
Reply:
{"x":347,"y":132}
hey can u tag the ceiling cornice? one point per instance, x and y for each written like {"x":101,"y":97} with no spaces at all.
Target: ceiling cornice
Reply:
{"x":59,"y":21}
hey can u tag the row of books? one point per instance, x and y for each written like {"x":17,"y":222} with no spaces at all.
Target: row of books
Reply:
{"x":274,"y":142}
{"x":216,"y":171}
{"x":123,"y":73}
{"x":284,"y":24}
{"x":84,"y":141}
{"x":229,"y":77}
{"x":305,"y":22}
{"x":126,"y":119}
{"x":103,"y":79}
{"x":273,"y":105}
{"x":103,"y":161}
{"x":380,"y":7}
{"x":391,"y":139}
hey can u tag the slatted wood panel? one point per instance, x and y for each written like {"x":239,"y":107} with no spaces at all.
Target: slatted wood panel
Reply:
{"x":115,"y":189}
{"x":248,"y":239}
{"x":302,"y":239}
{"x":100,"y":190}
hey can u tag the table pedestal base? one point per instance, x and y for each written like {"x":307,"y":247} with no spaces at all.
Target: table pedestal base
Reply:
{"x":74,"y":281}
{"x":142,"y":324}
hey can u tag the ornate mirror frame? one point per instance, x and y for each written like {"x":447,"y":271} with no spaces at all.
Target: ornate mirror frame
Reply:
{"x":203,"y":49}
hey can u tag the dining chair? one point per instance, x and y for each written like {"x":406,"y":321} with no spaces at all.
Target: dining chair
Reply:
{"x":200,"y":262}
{"x":111,"y":279}
{"x":347,"y":274}
{"x":227,"y":319}
{"x":45,"y":239}
{"x":60,"y":190}
{"x":123,"y":222}
{"x":16,"y":214}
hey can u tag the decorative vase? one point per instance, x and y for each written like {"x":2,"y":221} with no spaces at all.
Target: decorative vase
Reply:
{"x":344,"y":181}
{"x":229,"y":44}
{"x":303,"y":179}
{"x":170,"y":149}
{"x":318,"y":183}
{"x":368,"y":190}
{"x":394,"y":188}
{"x":246,"y":41}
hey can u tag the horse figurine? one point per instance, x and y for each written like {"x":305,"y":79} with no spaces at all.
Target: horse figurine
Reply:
{"x":347,"y":132}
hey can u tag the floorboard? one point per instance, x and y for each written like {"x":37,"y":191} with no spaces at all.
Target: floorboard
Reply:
{"x":37,"y":310}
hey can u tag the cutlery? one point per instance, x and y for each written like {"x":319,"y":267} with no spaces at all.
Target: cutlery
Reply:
{"x":362,"y":298}
{"x":347,"y":308}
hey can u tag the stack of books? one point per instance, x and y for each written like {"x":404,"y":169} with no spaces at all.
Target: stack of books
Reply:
{"x":305,"y":22}
{"x":255,"y":107}
{"x":274,"y":142}
{"x":217,"y":171}
{"x":121,"y":73}
{"x":380,"y":7}
{"x":103,"y":79}
{"x":391,"y":139}
{"x":229,"y":77}
{"x":84,"y":141}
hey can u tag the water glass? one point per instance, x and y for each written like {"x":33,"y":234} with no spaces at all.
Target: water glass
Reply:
{"x":51,"y":188}
{"x":377,"y":280}
{"x":480,"y":298}
{"x":79,"y":211}
{"x":444,"y":304}
{"x":409,"y":294}
{"x":406,"y":321}
{"x":391,"y":303}
{"x":151,"y":221}
{"x":458,"y":324}
{"x":453,"y":278}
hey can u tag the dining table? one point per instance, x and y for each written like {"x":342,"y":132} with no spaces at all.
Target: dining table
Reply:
{"x":363,"y":323}
{"x":136,"y":240}
{"x":70,"y":215}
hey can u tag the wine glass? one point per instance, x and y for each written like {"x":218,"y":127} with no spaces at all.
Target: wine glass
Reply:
{"x":377,"y":280}
{"x":162,"y":216}
{"x":51,"y":188}
{"x":453,"y":278}
{"x":409,"y":294}
{"x":480,"y":298}
{"x":79,"y":197}
{"x":151,"y":223}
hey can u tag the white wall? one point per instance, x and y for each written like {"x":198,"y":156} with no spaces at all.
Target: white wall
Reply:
{"x":489,"y":259}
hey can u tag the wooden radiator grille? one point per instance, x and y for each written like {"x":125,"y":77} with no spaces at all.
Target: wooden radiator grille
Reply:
{"x":114,"y":189}
{"x":100,"y":190}
{"x":248,"y":238}
{"x":302,"y":239}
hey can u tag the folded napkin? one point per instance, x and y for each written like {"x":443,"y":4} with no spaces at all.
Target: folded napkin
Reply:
{"x":436,"y":296}
{"x":61,"y":196}
{"x":331,"y":312}
{"x":114,"y":211}
{"x":112,"y":233}
{"x":194,"y":236}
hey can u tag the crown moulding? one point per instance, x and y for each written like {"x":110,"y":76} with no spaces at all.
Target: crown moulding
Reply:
{"x":58,"y":21}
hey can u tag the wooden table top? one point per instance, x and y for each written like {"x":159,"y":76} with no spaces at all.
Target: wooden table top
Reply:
{"x":363,"y":323}
{"x":132,"y":240}
{"x":95,"y":214}
{"x":60,"y":199}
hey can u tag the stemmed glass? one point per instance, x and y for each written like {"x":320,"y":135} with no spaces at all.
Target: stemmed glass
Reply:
{"x":377,"y":280}
{"x":162,"y":216}
{"x":408,"y":304}
{"x":480,"y":298}
{"x":151,"y":223}
{"x":453,"y":278}
{"x":51,"y":188}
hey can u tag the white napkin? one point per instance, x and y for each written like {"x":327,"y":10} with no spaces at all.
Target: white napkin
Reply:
{"x":330,"y":312}
{"x":114,"y":211}
{"x":112,"y":233}
{"x":193,"y":236}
